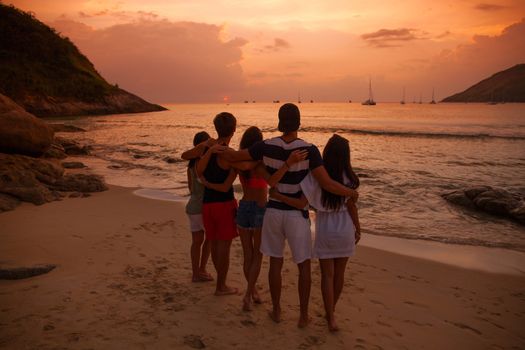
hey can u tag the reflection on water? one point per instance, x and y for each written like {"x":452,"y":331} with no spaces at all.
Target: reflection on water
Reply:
{"x":406,"y":157}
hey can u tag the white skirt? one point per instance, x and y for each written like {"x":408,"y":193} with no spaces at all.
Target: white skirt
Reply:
{"x":334,"y":235}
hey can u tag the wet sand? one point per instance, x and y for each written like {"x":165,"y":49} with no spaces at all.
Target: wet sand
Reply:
{"x":123,"y":281}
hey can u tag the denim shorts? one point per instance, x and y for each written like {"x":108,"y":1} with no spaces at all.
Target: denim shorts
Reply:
{"x":249,"y":215}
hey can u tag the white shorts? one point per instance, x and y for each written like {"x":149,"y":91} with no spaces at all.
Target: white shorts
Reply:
{"x":196,"y":222}
{"x":280,"y":225}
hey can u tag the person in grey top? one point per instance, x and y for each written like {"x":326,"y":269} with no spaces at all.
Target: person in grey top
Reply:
{"x":200,"y":247}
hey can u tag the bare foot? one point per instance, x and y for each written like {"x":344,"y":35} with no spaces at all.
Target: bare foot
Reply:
{"x":246,"y":304}
{"x":205,"y":275}
{"x":332,"y":325}
{"x":256,"y":298}
{"x":303,"y":321}
{"x":200,"y":278}
{"x":226,"y":291}
{"x":275,"y":315}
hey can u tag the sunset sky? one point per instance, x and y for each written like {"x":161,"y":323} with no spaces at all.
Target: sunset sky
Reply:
{"x":202,"y":50}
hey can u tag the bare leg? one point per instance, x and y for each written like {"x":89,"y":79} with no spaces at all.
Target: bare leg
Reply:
{"x":255,"y":268}
{"x":247,"y":248}
{"x":339,"y":277}
{"x":304,"y":291}
{"x":197,"y":238}
{"x":327,"y":289}
{"x":214,"y":254}
{"x":274,"y":280}
{"x":206,"y":248}
{"x":222,"y":266}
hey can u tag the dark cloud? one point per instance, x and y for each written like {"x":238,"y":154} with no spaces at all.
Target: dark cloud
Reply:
{"x":392,"y":37}
{"x":122,"y":15}
{"x":266,"y":75}
{"x":489,"y":7}
{"x":279,"y":44}
{"x":161,"y":60}
{"x":443,"y":35}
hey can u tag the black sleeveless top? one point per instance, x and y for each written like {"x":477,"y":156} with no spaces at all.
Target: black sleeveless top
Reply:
{"x":216,"y":175}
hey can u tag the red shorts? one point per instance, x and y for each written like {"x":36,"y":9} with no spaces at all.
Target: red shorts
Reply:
{"x":219,"y":220}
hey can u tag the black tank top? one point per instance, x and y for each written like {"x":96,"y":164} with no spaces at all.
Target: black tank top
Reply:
{"x":216,"y":175}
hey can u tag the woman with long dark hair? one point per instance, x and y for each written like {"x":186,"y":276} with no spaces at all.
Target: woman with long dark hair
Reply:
{"x":249,"y":219}
{"x":337,"y":223}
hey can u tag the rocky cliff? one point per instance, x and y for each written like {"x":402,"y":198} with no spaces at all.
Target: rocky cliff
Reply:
{"x":504,"y":86}
{"x":47,"y":75}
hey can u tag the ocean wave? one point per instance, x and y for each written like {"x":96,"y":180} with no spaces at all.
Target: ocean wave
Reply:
{"x":421,"y":134}
{"x":452,"y":240}
{"x":484,"y":163}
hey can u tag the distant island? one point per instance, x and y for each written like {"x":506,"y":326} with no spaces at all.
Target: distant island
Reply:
{"x":48,"y":76}
{"x":504,"y":86}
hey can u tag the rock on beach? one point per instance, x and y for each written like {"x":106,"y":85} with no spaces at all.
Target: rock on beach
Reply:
{"x":495,"y":201}
{"x":21,"y":132}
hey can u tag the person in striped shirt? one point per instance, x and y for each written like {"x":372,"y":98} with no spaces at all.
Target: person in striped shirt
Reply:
{"x":283,"y":222}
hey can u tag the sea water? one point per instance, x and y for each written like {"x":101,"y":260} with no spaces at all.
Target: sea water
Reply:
{"x":407,"y":156}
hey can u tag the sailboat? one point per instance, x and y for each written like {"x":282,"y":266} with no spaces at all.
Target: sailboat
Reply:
{"x":403,"y":100}
{"x":433,"y":102}
{"x":299,"y":97}
{"x":492,"y":100}
{"x":370,"y":101}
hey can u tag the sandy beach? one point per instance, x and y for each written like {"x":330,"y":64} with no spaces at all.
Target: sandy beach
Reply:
{"x":123,"y":274}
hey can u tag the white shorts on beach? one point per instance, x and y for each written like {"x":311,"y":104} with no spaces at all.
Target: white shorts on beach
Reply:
{"x":280,"y":225}
{"x":196,"y":222}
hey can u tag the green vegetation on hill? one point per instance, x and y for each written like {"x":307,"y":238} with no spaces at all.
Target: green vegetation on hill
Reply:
{"x":35,"y":60}
{"x":47,"y":75}
{"x":504,"y":86}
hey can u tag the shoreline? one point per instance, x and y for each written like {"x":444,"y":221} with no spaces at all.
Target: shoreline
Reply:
{"x":480,"y":258}
{"x":123,"y":281}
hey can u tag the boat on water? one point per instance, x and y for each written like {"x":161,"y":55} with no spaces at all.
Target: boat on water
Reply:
{"x":370,"y":101}
{"x":433,"y":102}
{"x":403,"y":100}
{"x":492,"y":100}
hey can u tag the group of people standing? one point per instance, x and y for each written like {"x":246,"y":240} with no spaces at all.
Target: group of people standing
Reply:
{"x":298,"y":177}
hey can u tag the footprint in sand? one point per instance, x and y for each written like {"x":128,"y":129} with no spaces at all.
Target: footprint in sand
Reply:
{"x":311,"y":341}
{"x":384,"y":324}
{"x":420,"y":324}
{"x":464,"y":326}
{"x":411,"y":303}
{"x":377,"y":302}
{"x":48,"y":327}
{"x":194,"y":341}
{"x":248,"y":323}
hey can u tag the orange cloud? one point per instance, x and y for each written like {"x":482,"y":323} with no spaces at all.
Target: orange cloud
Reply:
{"x":161,"y":60}
{"x":484,"y":56}
{"x":489,"y":7}
{"x":392,"y":37}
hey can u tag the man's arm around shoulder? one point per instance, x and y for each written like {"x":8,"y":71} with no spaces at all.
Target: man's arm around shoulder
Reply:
{"x":328,"y":184}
